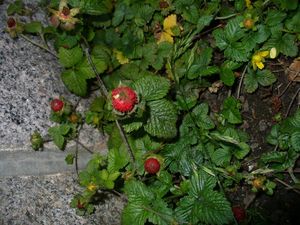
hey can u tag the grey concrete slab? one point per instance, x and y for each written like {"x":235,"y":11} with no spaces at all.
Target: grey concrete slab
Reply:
{"x":44,"y":200}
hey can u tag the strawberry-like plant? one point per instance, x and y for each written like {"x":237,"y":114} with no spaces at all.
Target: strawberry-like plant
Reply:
{"x":155,"y":59}
{"x":123,"y":99}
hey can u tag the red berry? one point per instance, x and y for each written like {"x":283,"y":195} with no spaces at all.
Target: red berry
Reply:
{"x":239,"y":213}
{"x":123,"y":99}
{"x":57,"y":105}
{"x":152,"y":165}
{"x":11,"y":23}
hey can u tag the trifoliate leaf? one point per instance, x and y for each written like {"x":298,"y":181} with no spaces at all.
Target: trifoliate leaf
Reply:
{"x":162,"y":119}
{"x":152,"y":87}
{"x":75,"y":82}
{"x":70,"y":57}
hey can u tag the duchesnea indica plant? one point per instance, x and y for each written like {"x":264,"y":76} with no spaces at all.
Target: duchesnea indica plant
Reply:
{"x":147,"y":64}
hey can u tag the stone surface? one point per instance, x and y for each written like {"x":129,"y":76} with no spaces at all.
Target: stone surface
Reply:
{"x":45,"y":200}
{"x":29,"y":79}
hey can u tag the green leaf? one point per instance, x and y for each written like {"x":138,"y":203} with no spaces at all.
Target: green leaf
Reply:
{"x":221,"y":156}
{"x":210,"y":207}
{"x":33,"y":27}
{"x":286,"y":44}
{"x":203,"y":21}
{"x":117,"y":158}
{"x":274,"y":17}
{"x":75,"y":82}
{"x":202,"y":119}
{"x":265,"y":77}
{"x":70,"y":159}
{"x":233,"y":30}
{"x":227,"y":76}
{"x":132,"y":126}
{"x":70,"y":57}
{"x":93,"y":7}
{"x":231,"y":111}
{"x":237,"y":52}
{"x":15,"y":7}
{"x":220,"y":38}
{"x":295,"y":141}
{"x":85,"y":69}
{"x":250,"y":81}
{"x":293,"y":24}
{"x":57,"y":133}
{"x":162,"y":120}
{"x":152,"y":87}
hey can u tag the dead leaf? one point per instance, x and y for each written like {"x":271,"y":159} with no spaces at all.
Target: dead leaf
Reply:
{"x":293,"y":71}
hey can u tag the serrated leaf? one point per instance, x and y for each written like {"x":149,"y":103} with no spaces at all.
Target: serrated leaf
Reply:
{"x":86,"y":69}
{"x":231,"y":111}
{"x":132,"y":126}
{"x":209,"y":70}
{"x":57,"y":133}
{"x":274,"y":17}
{"x":295,"y":141}
{"x":233,"y":30}
{"x":33,"y":27}
{"x":286,"y":44}
{"x":117,"y":158}
{"x":250,"y":82}
{"x":227,"y":76}
{"x":75,"y":82}
{"x":265,"y":77}
{"x":70,"y":57}
{"x":93,"y":7}
{"x":220,"y":38}
{"x":152,"y":87}
{"x":237,"y":52}
{"x":162,"y":120}
{"x":200,"y":181}
{"x":203,"y":21}
{"x":202,"y":119}
{"x":221,"y":156}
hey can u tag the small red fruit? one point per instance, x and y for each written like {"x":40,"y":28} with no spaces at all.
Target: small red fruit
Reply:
{"x":57,"y":105}
{"x":123,"y":99}
{"x":152,"y":165}
{"x":239,"y":213}
{"x":11,"y":23}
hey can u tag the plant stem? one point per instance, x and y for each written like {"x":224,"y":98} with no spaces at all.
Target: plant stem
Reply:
{"x":287,"y":185}
{"x":291,"y":103}
{"x":105,"y":93}
{"x":241,"y":81}
{"x":38,"y":45}
{"x":226,"y":17}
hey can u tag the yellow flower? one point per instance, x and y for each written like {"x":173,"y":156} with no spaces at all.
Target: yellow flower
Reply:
{"x":248,"y":4}
{"x":120,"y":57}
{"x":91,"y":187}
{"x":167,"y":34}
{"x":65,"y":15}
{"x":258,"y":59}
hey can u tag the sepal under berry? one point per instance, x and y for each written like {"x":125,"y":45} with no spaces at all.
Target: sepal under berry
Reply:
{"x":36,"y":141}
